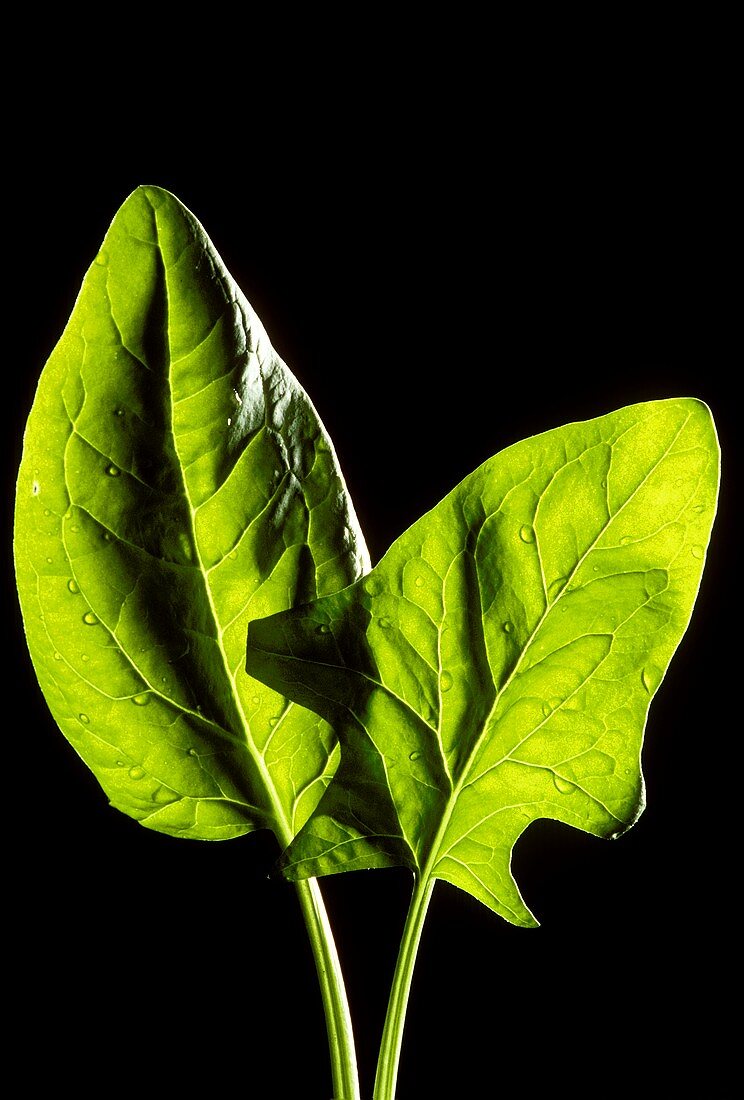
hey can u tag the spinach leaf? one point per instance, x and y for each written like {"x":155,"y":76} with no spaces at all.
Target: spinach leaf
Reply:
{"x":176,"y":482}
{"x":497,"y":665}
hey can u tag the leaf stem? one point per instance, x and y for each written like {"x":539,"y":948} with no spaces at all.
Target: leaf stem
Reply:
{"x":335,"y":1004}
{"x":392,"y":1035}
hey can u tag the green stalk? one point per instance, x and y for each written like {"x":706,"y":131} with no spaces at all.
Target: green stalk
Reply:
{"x":392,"y":1035}
{"x":335,"y":1004}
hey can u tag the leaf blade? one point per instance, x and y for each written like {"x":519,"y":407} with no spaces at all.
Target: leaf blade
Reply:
{"x":175,"y":478}
{"x":514,"y":638}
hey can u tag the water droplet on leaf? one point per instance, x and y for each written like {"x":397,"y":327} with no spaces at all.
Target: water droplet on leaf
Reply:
{"x":414,"y":756}
{"x":113,"y":471}
{"x":102,"y":258}
{"x":647,"y":681}
{"x":84,"y":657}
{"x":137,"y":772}
{"x":562,"y":785}
{"x":372,"y":586}
{"x":626,"y":539}
{"x":90,"y":618}
{"x":323,"y":629}
{"x":273,"y":721}
{"x":58,"y":656}
{"x":556,"y":587}
{"x":36,"y":488}
{"x":141,"y":700}
{"x":446,"y":680}
{"x":84,"y":719}
{"x":419,"y":582}
{"x":384,"y":622}
{"x":526,"y":533}
{"x":697,"y":552}
{"x":699,"y":508}
{"x":193,"y":752}
{"x":508,"y":627}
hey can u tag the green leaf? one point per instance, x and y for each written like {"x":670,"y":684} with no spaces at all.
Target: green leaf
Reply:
{"x":498,"y":664}
{"x":176,"y":482}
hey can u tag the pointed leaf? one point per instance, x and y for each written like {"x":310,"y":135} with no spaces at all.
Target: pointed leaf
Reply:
{"x":498,"y":664}
{"x":176,"y":482}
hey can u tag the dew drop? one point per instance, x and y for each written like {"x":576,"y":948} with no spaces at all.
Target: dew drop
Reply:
{"x":229,"y":421}
{"x":595,"y":568}
{"x":74,"y":528}
{"x":84,"y":657}
{"x":137,"y":772}
{"x":626,"y":539}
{"x":255,"y":700}
{"x":120,"y":763}
{"x":699,"y":508}
{"x":107,"y":536}
{"x":49,"y":561}
{"x":90,"y":618}
{"x":102,"y":258}
{"x":118,"y":412}
{"x":547,"y":709}
{"x":112,"y":471}
{"x":697,"y":552}
{"x":414,"y":756}
{"x":163,"y":795}
{"x":646,"y":681}
{"x":562,"y":785}
{"x":526,"y":533}
{"x":58,"y":656}
{"x":419,"y":582}
{"x":384,"y":622}
{"x":84,"y":719}
{"x":273,"y":721}
{"x":446,"y":680}
{"x":36,"y":488}
{"x":47,"y":512}
{"x":603,"y":483}
{"x":323,"y":629}
{"x":556,"y":588}
{"x":193,"y":752}
{"x":508,"y":627}
{"x":141,"y":700}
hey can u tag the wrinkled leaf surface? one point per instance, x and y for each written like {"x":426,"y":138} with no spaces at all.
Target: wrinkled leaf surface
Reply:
{"x":498,"y":664}
{"x":175,"y":483}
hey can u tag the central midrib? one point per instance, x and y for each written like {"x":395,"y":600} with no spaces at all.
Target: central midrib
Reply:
{"x":281,"y":822}
{"x":434,"y":853}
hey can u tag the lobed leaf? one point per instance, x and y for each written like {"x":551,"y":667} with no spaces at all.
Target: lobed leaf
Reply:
{"x":497,"y":665}
{"x":175,"y":483}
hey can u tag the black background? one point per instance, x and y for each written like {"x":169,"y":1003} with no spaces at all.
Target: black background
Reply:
{"x":447,"y":266}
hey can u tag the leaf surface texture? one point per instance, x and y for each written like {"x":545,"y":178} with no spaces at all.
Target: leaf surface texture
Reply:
{"x":175,"y":483}
{"x":497,"y":665}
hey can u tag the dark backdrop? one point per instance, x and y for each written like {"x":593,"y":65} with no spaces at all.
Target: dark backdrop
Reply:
{"x":443,"y":281}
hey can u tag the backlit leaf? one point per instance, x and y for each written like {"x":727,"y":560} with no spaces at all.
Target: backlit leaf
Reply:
{"x":175,"y":483}
{"x":497,"y":665}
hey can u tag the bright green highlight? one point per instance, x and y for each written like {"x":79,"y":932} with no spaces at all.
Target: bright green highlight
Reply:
{"x":498,"y":664}
{"x":176,"y":482}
